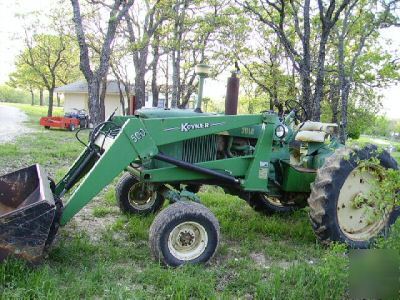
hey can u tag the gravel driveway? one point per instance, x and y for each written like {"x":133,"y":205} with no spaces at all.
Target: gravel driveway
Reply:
{"x":11,"y":123}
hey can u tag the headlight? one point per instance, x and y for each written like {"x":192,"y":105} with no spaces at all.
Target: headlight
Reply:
{"x":281,"y":131}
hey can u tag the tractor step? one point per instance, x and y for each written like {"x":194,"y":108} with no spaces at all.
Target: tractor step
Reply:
{"x":27,"y":211}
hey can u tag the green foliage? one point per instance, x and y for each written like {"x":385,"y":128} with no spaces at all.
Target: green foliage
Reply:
{"x":381,"y":126}
{"x":391,"y":242}
{"x":253,"y":104}
{"x":10,"y":94}
{"x":359,"y":121}
{"x":48,"y":58}
{"x":387,"y":191}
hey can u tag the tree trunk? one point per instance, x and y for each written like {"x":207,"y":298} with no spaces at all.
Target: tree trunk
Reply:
{"x":93,"y":101}
{"x":319,"y":82}
{"x":305,"y":65}
{"x":306,"y":94}
{"x":140,"y":90}
{"x":190,"y":90}
{"x":167,"y":82}
{"x":41,"y":97}
{"x":128,"y":96}
{"x":140,"y":63}
{"x":344,"y":101}
{"x":121,"y":97}
{"x":334,"y":100}
{"x":176,"y":78}
{"x":51,"y":96}
{"x":32,"y":97}
{"x":154,"y":86}
{"x":154,"y":90}
{"x":102,"y":98}
{"x":58,"y":100}
{"x":342,"y":83}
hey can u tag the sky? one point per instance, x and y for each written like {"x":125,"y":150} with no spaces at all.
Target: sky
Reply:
{"x":10,"y":46}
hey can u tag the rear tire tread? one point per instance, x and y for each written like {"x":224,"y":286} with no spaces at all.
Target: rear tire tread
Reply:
{"x":324,"y":186}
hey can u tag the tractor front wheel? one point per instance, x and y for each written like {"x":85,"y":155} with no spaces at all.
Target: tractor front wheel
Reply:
{"x":269,"y":205}
{"x":134,"y":197}
{"x":340,"y":206}
{"x":185,"y":232}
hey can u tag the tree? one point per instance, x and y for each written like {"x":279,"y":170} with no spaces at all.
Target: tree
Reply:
{"x":277,"y":15}
{"x":25,"y":78}
{"x":356,"y":37}
{"x":94,"y":76}
{"x":262,"y":64}
{"x":141,"y":24}
{"x":180,"y":8}
{"x":45,"y":60}
{"x":197,"y":32}
{"x":118,"y":64}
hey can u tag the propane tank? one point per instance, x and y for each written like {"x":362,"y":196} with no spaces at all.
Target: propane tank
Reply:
{"x":232,"y":93}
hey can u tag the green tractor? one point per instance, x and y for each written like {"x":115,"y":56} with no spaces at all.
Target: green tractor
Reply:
{"x":275,"y":162}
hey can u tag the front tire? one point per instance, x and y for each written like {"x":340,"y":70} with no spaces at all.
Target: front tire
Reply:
{"x":185,"y":232}
{"x":337,"y":214}
{"x":134,"y":198}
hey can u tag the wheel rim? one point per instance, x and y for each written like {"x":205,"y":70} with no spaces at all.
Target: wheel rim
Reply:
{"x":277,"y":202}
{"x":187,"y":241}
{"x":140,"y":197}
{"x":274,"y":201}
{"x":358,"y":218}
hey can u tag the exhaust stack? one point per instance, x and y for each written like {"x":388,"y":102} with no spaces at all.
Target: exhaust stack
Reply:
{"x":232,"y":94}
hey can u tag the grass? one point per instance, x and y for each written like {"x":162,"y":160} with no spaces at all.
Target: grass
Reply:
{"x":104,"y":254}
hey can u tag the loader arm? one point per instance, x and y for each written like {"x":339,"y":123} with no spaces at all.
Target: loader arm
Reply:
{"x":139,"y":139}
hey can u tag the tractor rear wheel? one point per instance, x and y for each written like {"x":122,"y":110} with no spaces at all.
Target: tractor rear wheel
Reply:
{"x":269,"y":205}
{"x":340,"y":209}
{"x":134,"y":197}
{"x":185,"y":232}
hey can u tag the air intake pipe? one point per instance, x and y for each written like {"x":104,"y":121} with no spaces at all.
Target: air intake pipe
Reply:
{"x":232,"y":94}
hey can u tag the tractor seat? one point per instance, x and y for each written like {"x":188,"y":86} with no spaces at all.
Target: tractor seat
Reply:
{"x":315,"y":132}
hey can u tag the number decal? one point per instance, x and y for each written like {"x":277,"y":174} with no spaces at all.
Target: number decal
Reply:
{"x":138,"y":135}
{"x":248,"y":130}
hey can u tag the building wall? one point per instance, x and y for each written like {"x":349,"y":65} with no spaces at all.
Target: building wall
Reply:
{"x":111,"y":103}
{"x":79,"y":101}
{"x":161,"y":100}
{"x":73,"y":100}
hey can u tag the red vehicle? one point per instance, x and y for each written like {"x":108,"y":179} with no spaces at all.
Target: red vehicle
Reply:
{"x":60,"y":122}
{"x":71,"y":120}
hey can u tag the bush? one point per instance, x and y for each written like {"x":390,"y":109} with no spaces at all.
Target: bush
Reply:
{"x":354,"y":133}
{"x":9,"y":94}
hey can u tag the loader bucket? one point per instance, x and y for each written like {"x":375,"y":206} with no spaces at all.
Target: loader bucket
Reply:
{"x":27,"y":210}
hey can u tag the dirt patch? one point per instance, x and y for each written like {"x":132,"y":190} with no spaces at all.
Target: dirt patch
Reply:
{"x":262,"y":262}
{"x":258,"y":258}
{"x":12,"y":123}
{"x":93,"y":226}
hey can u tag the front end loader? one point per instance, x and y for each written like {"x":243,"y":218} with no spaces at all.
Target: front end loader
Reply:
{"x":275,"y":162}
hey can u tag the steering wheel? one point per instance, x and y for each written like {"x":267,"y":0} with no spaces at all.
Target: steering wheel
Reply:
{"x":300,"y":112}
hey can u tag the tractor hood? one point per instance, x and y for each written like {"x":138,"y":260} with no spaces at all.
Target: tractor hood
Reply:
{"x":150,"y":113}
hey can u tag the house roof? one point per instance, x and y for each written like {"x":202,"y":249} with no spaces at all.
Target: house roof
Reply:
{"x":81,"y":86}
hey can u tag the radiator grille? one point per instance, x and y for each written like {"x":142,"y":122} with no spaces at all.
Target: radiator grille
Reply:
{"x":200,"y":149}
